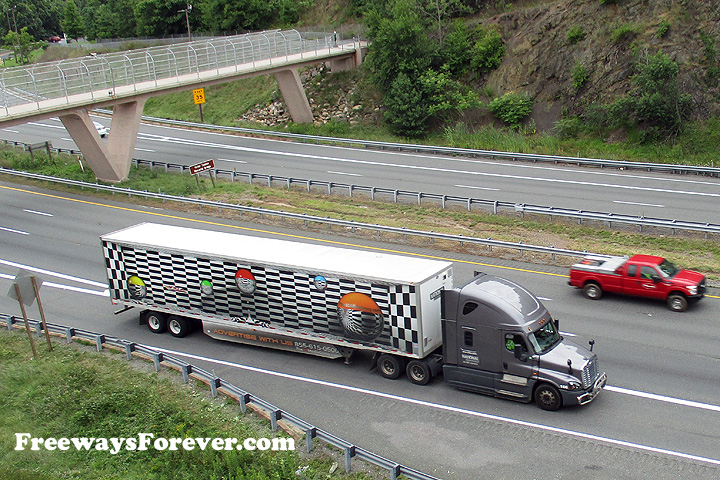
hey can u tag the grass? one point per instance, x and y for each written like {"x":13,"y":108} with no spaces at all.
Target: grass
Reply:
{"x":688,"y":250}
{"x":75,"y":392}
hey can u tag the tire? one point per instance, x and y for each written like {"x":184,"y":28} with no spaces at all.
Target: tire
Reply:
{"x":418,"y":372}
{"x":178,"y":326}
{"x":156,"y":322}
{"x":548,"y":397}
{"x":390,"y":366}
{"x":677,"y":302}
{"x":592,"y":291}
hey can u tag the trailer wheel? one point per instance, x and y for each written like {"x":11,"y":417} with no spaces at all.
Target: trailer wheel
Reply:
{"x":677,"y":302}
{"x":418,"y":371}
{"x":548,"y":397}
{"x":592,"y":291}
{"x":156,"y":321}
{"x":390,"y":366}
{"x":178,"y":326}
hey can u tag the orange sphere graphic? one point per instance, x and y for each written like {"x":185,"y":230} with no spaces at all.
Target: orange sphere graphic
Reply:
{"x":360,"y":316}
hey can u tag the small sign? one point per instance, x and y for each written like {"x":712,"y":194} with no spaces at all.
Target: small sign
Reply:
{"x":199,"y":96}
{"x":23,"y":280}
{"x":202,"y":166}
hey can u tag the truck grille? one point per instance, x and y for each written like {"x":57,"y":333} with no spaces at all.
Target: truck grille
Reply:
{"x":702,"y":286}
{"x":590,"y":373}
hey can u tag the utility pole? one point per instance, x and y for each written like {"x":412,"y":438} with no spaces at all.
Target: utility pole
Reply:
{"x":187,"y":19}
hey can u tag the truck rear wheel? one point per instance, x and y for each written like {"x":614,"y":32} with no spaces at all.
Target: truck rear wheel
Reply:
{"x":677,"y":302}
{"x":592,"y":291}
{"x":156,"y":321}
{"x":390,"y":366}
{"x":548,"y":397}
{"x":178,"y":326}
{"x":418,"y":371}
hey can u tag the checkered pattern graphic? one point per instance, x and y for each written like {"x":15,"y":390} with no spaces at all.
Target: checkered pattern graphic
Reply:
{"x":282,"y":298}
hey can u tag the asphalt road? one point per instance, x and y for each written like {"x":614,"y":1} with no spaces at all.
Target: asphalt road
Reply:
{"x":658,"y":195}
{"x":659,"y":416}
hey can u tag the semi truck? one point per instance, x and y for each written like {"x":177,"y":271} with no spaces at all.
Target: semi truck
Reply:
{"x":490,"y":335}
{"x":641,"y":276}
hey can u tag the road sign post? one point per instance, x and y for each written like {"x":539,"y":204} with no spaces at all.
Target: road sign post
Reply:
{"x":203,"y":167}
{"x":199,"y":99}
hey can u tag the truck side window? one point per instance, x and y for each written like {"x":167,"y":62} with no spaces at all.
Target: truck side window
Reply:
{"x":468,"y":339}
{"x":647,"y":273}
{"x":469,"y":307}
{"x":632,"y":269}
{"x":512,"y":340}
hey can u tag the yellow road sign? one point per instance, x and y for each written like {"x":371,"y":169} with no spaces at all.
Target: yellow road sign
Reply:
{"x":199,"y":96}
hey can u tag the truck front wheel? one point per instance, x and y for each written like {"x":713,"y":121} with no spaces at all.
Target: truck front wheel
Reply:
{"x":390,"y":366}
{"x":548,"y":397}
{"x":418,"y":371}
{"x":178,"y":326}
{"x":592,"y":291}
{"x":156,"y":321}
{"x":677,"y":302}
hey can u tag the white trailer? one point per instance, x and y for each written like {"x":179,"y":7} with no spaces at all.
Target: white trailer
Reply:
{"x":310,"y":298}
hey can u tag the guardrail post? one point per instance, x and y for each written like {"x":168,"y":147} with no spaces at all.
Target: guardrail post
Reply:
{"x":419,"y":198}
{"x":395,"y":196}
{"x":244,"y":399}
{"x":99,"y":340}
{"x":129,"y":348}
{"x":469,"y":204}
{"x":275,"y":415}
{"x":186,"y":371}
{"x":69,"y":334}
{"x":350,"y":189}
{"x":157,"y":358}
{"x":310,"y":433}
{"x":214,"y":384}
{"x":395,"y":472}
{"x":372,"y":193}
{"x":308,"y":185}
{"x":349,"y":453}
{"x":495,"y":207}
{"x":329,"y":188}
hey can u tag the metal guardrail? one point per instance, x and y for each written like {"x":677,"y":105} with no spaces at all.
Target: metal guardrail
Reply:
{"x":454,"y":151}
{"x":218,"y":385}
{"x":352,"y":225}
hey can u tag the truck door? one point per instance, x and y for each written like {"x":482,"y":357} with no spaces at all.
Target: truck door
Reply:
{"x":475,"y":349}
{"x":518,"y":365}
{"x":644,"y":283}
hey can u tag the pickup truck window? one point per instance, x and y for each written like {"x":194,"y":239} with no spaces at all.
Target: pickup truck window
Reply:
{"x":632,"y":269}
{"x":545,"y":337}
{"x":668,"y":269}
{"x":647,"y":273}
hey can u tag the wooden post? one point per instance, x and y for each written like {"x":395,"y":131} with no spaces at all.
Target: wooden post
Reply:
{"x":27,"y":325}
{"x":42,"y":313}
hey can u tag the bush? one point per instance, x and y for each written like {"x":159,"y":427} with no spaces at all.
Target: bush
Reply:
{"x":512,"y":108}
{"x":624,"y":31}
{"x":579,"y":76}
{"x":663,"y":29}
{"x":488,"y":51}
{"x":406,"y":111}
{"x":456,"y":49}
{"x":575,"y":34}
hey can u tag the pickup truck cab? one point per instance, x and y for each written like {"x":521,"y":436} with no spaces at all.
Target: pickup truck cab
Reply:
{"x":640,"y":275}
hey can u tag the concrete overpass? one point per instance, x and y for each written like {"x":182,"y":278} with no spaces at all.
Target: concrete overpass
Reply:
{"x":69,"y":89}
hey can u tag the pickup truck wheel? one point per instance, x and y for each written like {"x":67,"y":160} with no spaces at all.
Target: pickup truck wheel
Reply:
{"x":156,"y":322}
{"x":548,"y":397}
{"x":178,"y":326}
{"x":677,"y":303}
{"x":592,"y":291}
{"x":418,"y":371}
{"x":390,"y":366}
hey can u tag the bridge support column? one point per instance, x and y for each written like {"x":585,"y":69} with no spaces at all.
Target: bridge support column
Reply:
{"x":294,"y":95}
{"x":111,"y":162}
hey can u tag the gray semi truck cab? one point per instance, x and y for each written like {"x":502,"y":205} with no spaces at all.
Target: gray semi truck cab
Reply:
{"x":500,"y":340}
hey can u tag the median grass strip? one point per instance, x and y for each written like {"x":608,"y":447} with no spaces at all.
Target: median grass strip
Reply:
{"x":687,"y":249}
{"x":75,"y":392}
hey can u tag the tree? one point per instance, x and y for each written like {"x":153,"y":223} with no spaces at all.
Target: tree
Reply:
{"x":456,"y":48}
{"x":440,"y":12}
{"x":72,"y":23}
{"x":406,"y":109}
{"x":21,"y":44}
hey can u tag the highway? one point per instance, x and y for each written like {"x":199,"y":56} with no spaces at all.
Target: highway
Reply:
{"x":688,"y":198}
{"x":659,"y":416}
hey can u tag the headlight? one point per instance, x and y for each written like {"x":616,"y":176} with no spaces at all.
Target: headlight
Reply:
{"x":693,"y":290}
{"x":574,"y":386}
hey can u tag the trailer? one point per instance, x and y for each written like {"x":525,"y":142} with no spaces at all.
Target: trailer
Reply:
{"x":487,"y":336}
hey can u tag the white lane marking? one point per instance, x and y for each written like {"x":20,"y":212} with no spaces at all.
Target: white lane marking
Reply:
{"x":12,"y":230}
{"x":104,"y":293}
{"x":38,"y":213}
{"x":663,"y":398}
{"x":143,"y":149}
{"x":345,"y":173}
{"x":477,"y":188}
{"x":566,"y":334}
{"x":230,"y":160}
{"x":639,"y":204}
{"x":52,"y":274}
{"x":37,"y":124}
{"x":430,"y":169}
{"x":10,"y":131}
{"x":448,"y":408}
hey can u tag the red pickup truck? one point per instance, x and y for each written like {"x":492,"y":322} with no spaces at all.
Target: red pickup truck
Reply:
{"x":640,"y":275}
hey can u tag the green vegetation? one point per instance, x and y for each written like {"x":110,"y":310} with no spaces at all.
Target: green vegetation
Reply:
{"x":512,"y":108}
{"x":576,"y":34}
{"x":488,"y":51}
{"x":579,"y":75}
{"x":623,"y":32}
{"x":73,"y":392}
{"x":663,"y":29}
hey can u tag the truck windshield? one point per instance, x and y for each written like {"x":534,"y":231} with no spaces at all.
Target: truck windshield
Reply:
{"x":668,"y":269}
{"x":544,"y":338}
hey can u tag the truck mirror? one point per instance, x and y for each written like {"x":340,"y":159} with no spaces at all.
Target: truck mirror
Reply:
{"x":519,"y":353}
{"x":656,"y":278}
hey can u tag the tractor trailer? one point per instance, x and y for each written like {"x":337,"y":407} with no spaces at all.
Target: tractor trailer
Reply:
{"x":490,"y":335}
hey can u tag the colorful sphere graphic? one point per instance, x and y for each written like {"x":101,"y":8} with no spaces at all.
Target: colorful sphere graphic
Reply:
{"x":206,"y":288}
{"x":320,"y":282}
{"x":136,"y":287}
{"x":245,"y":281}
{"x":360,"y":316}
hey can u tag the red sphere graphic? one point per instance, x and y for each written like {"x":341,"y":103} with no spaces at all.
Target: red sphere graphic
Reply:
{"x":245,"y":281}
